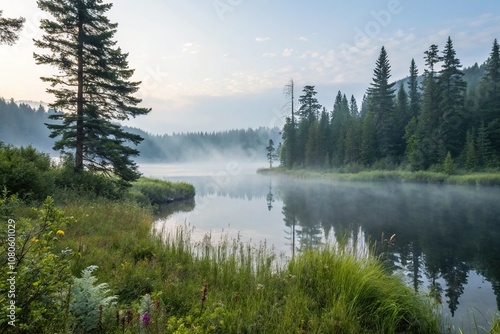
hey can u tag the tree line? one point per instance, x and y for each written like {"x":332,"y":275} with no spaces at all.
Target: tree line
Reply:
{"x":417,"y":123}
{"x":193,"y":146}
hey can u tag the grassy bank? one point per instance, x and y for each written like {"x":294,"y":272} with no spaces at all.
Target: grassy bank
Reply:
{"x":223,"y":286}
{"x":486,"y":179}
{"x":248,"y":289}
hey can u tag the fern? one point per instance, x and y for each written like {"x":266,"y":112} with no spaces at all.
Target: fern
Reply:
{"x":87,"y":300}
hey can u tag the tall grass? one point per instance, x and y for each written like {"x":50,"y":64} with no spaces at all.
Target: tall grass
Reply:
{"x":248,"y":288}
{"x":495,"y":327}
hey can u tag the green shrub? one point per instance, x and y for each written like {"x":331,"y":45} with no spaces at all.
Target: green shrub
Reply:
{"x":25,"y":172}
{"x":448,"y":166}
{"x":85,"y":183}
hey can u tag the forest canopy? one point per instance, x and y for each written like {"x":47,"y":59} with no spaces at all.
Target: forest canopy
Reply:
{"x":444,"y":114}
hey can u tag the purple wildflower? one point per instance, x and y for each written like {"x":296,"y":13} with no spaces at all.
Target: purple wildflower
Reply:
{"x":146,"y":319}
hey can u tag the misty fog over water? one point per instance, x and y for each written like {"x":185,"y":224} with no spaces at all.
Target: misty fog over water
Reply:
{"x":446,"y":241}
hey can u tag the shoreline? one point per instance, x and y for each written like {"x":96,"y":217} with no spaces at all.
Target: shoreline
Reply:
{"x":476,"y":179}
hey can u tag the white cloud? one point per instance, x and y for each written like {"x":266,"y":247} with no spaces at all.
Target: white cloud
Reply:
{"x":287,"y":52}
{"x":192,"y":48}
{"x":303,"y":39}
{"x":269,"y":55}
{"x":262,"y":39}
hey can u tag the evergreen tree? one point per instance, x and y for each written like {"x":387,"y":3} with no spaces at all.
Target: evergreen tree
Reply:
{"x":353,"y":107}
{"x":313,"y":155}
{"x":432,"y":58}
{"x":427,"y":133}
{"x":401,"y":119}
{"x":485,"y":156}
{"x":93,"y":87}
{"x":491,"y":84}
{"x":470,"y":152}
{"x":413,"y":155}
{"x":381,"y":94}
{"x":364,"y":106}
{"x":353,"y":141}
{"x":448,"y":167}
{"x":413,"y":90}
{"x":290,"y":145}
{"x":324,"y":137}
{"x":9,"y":29}
{"x":287,"y":156}
{"x":339,"y":124}
{"x":490,"y":101}
{"x":309,"y":106}
{"x":452,"y":105}
{"x":309,"y":113}
{"x":271,"y":153}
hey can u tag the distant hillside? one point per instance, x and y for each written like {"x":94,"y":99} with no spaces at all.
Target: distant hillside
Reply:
{"x":472,"y":75}
{"x":22,"y":125}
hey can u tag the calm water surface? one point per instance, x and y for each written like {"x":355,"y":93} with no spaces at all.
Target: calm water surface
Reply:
{"x":447,"y":239}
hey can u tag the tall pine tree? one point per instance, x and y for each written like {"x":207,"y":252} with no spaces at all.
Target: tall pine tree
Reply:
{"x":426,"y":136}
{"x":401,"y":117}
{"x":452,"y":105}
{"x":381,"y":97}
{"x":413,"y":90}
{"x":290,"y":146}
{"x":93,"y":90}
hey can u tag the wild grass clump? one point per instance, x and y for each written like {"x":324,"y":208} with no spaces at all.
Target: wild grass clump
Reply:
{"x":347,"y":293}
{"x":231,"y":286}
{"x":495,"y":327}
{"x":160,"y":191}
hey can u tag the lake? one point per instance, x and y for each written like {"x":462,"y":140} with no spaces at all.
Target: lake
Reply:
{"x":446,"y":243}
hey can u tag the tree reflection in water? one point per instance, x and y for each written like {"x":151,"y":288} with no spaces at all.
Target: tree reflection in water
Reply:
{"x":443,"y":232}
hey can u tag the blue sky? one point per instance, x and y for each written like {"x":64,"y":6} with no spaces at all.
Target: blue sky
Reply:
{"x":218,"y":64}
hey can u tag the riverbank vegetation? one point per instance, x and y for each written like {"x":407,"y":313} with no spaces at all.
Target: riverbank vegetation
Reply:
{"x":478,"y":179}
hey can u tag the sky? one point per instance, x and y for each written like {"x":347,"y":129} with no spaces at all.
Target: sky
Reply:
{"x":211,"y":65}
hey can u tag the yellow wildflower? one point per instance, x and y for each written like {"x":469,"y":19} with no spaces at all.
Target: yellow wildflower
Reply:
{"x":60,"y":232}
